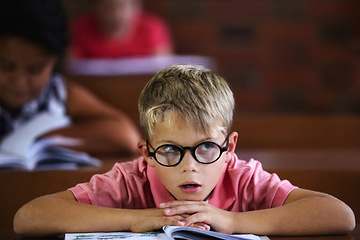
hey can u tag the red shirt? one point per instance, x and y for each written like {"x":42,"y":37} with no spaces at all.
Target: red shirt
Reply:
{"x":87,"y":42}
{"x":244,"y":186}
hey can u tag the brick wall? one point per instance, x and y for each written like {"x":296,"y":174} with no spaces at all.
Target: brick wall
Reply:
{"x":293,"y":56}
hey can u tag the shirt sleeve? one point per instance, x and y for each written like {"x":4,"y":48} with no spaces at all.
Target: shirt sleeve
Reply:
{"x":259,"y":189}
{"x":124,"y":186}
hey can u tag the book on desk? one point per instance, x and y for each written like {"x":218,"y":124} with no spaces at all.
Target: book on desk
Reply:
{"x":169,"y":232}
{"x":23,"y":149}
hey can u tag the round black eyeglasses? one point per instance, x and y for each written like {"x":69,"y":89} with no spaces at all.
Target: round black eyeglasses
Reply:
{"x":169,"y":155}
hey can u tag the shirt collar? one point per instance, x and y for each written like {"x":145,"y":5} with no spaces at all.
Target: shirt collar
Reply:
{"x":158,"y":190}
{"x":223,"y":195}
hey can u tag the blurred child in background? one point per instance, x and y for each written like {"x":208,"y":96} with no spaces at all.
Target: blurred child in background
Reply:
{"x":33,"y":42}
{"x":119,"y":28}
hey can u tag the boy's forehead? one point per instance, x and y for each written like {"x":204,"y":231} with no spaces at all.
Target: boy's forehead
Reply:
{"x":173,"y":121}
{"x":176,"y":127}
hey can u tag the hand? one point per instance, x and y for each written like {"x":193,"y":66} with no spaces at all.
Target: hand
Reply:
{"x":146,"y":220}
{"x":199,"y":225}
{"x":200,"y":213}
{"x":152,"y":219}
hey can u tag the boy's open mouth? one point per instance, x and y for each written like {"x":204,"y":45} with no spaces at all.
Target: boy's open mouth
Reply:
{"x":190,"y":187}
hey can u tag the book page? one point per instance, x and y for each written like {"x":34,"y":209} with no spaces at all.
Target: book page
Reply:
{"x":19,"y":141}
{"x":23,"y":149}
{"x":53,"y":156}
{"x":10,"y":161}
{"x":146,"y":236}
{"x":116,"y":236}
{"x":199,"y":234}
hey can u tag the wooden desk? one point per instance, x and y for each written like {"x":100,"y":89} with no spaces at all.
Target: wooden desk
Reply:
{"x":336,"y":172}
{"x":355,"y":235}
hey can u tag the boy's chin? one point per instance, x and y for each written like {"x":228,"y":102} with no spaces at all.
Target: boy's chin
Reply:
{"x":192,"y":198}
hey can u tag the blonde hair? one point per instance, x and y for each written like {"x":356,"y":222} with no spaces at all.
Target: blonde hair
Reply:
{"x":193,"y":92}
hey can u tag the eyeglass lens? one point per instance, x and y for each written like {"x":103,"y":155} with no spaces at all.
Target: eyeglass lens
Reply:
{"x":205,"y":152}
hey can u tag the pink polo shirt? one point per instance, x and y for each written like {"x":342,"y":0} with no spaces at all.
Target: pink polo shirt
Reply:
{"x":244,"y":186}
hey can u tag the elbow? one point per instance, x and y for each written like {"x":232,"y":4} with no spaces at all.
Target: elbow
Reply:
{"x":339,"y":218}
{"x":21,"y":222}
{"x":25,"y":222}
{"x":350,"y":222}
{"x":36,"y":218}
{"x":346,"y":221}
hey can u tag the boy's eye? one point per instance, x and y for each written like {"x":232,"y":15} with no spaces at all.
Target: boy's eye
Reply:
{"x":170,"y":149}
{"x":206,"y":147}
{"x":168,"y":154}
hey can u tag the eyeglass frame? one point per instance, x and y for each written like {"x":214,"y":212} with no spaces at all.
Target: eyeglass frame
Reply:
{"x":182,"y":151}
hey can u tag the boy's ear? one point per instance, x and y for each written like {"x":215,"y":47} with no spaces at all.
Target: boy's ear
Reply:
{"x":144,"y":152}
{"x":232,"y":145}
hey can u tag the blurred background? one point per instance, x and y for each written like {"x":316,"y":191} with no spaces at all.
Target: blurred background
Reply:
{"x":298,"y":56}
{"x":294,"y":68}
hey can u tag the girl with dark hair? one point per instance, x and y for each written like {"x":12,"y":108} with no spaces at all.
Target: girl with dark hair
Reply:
{"x":33,"y":43}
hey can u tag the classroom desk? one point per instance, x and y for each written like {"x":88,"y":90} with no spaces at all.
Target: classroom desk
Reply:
{"x":355,"y":235}
{"x":336,"y":172}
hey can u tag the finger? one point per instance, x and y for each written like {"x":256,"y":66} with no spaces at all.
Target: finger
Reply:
{"x":173,"y":221}
{"x":177,"y":203}
{"x":197,"y":226}
{"x":197,"y":219}
{"x":206,"y":226}
{"x":145,"y":226}
{"x":184,"y":209}
{"x":201,"y":226}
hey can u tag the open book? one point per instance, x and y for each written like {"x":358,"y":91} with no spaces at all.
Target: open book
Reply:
{"x":174,"y":232}
{"x":22,"y":149}
{"x":170,"y":232}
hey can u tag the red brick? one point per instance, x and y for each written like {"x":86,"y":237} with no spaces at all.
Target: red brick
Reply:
{"x":302,"y":77}
{"x":327,"y":53}
{"x":280,"y":32}
{"x":238,"y":10}
{"x":332,"y":9}
{"x":253,"y":101}
{"x":320,"y":100}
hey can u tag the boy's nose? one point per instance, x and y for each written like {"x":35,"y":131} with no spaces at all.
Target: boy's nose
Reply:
{"x":189,"y":163}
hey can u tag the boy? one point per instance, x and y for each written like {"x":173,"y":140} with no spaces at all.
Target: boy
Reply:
{"x":188,"y":175}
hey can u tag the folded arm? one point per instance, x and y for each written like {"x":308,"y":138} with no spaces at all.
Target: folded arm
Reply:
{"x":304,"y":212}
{"x":61,"y":213}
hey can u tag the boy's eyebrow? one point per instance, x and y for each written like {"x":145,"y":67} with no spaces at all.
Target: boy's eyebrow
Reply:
{"x":207,"y":139}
